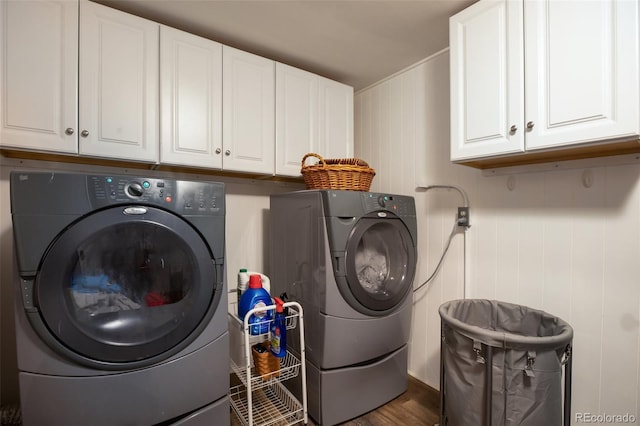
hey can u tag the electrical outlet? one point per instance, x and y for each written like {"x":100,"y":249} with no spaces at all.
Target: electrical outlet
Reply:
{"x":463,"y":216}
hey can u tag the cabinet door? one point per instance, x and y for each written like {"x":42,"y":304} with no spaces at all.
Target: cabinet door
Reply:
{"x":39,"y":75}
{"x":118,"y":84}
{"x":296,"y":118}
{"x":335,"y":119}
{"x":190,"y":99}
{"x":487,"y":80}
{"x":582,"y":71}
{"x":248,"y":112}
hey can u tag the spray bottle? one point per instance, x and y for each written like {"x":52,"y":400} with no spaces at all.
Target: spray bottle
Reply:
{"x":279,"y":330}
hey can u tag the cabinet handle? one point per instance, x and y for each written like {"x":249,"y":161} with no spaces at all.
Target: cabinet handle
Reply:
{"x":227,"y":152}
{"x":69,"y":131}
{"x":84,"y":133}
{"x":218,"y":150}
{"x":530,"y":125}
{"x":513,"y":129}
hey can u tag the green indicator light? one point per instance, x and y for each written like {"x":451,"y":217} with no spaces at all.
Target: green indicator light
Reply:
{"x":146,"y":184}
{"x":109,"y":180}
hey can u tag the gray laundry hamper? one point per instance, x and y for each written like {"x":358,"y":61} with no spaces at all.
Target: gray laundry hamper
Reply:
{"x":501,"y":365}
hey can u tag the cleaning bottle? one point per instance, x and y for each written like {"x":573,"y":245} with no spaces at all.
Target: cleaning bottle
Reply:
{"x":243,"y":280}
{"x":279,"y":330}
{"x":254,"y":297}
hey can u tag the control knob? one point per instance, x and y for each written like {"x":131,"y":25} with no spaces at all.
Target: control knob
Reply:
{"x":135,"y":189}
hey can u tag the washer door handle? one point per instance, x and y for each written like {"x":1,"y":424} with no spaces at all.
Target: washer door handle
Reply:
{"x":134,"y":210}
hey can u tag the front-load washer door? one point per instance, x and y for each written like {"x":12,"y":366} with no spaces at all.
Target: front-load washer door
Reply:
{"x":125,"y":287}
{"x":380,"y":261}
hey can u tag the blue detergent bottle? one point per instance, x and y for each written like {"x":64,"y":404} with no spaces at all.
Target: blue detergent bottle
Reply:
{"x":279,"y":330}
{"x":254,"y":297}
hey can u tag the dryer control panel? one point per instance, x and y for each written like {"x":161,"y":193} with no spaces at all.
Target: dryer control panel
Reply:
{"x":400,"y":205}
{"x":342,"y":203}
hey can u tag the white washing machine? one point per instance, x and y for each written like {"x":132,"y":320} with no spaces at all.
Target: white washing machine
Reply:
{"x":121,"y":304}
{"x":349,"y":259}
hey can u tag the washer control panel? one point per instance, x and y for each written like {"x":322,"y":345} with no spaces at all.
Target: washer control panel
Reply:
{"x":185,"y":197}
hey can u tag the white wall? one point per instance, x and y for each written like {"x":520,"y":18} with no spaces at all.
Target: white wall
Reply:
{"x":246,"y":240}
{"x":550,"y":242}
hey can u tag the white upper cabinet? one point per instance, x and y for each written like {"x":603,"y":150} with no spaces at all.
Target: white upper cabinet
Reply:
{"x":584,"y":57}
{"x":487,"y":79}
{"x":248,"y":111}
{"x":335,"y":119}
{"x":313,"y":114}
{"x":296,"y":117}
{"x":118,"y":84}
{"x":77,"y":77}
{"x":190,"y":100}
{"x":39,"y":75}
{"x":567,"y":78}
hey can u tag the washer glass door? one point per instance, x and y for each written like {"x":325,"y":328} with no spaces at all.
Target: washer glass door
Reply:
{"x":380,"y":261}
{"x":126,"y":286}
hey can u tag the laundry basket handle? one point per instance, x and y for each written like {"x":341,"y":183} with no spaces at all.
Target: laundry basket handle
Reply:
{"x":312,"y":154}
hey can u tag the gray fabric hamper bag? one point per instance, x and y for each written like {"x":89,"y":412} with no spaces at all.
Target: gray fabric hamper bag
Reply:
{"x":501,"y":365}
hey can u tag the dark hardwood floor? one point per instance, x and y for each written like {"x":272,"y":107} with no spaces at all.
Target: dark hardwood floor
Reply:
{"x":418,"y":406}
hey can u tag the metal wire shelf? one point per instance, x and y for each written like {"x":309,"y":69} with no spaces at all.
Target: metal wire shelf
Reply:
{"x":272,"y":405}
{"x":263,"y":399}
{"x":289,"y":368}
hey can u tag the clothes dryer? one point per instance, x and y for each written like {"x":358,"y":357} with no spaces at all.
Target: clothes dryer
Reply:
{"x":121,"y":305}
{"x":349,"y":259}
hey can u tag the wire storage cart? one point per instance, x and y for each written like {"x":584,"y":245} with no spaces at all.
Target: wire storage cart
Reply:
{"x":258,"y":396}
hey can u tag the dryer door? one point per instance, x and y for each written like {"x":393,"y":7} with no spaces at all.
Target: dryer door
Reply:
{"x":123,"y":287}
{"x":380,"y":261}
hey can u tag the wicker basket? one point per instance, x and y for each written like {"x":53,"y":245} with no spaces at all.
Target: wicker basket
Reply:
{"x":344,"y":173}
{"x":265,"y":363}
